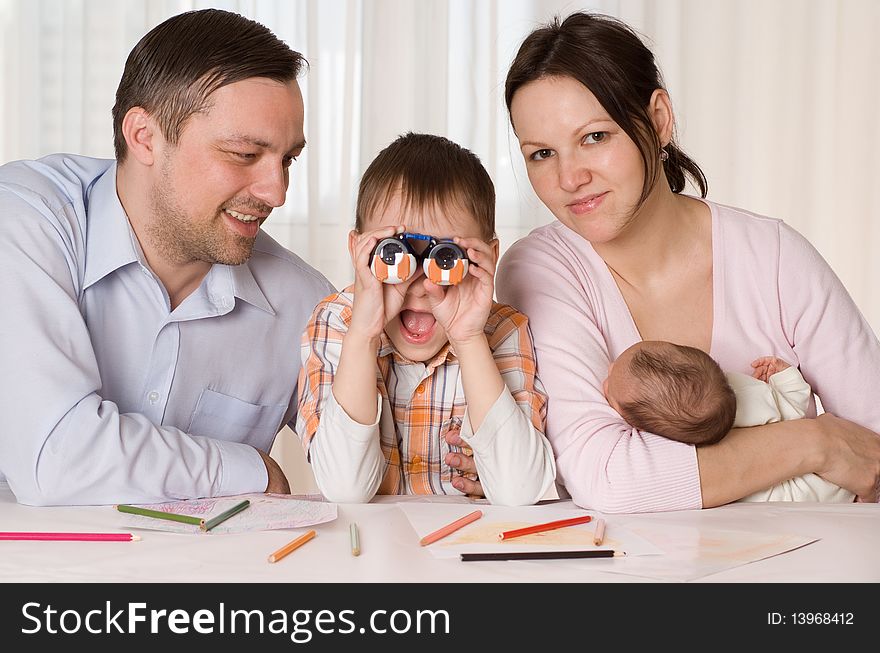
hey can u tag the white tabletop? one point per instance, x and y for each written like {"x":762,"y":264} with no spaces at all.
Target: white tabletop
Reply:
{"x":846,"y":551}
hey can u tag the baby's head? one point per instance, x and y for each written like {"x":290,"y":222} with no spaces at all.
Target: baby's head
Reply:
{"x":672,"y":390}
{"x":434,"y":187}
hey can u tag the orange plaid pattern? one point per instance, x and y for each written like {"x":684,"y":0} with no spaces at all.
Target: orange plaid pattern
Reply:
{"x":413,"y":424}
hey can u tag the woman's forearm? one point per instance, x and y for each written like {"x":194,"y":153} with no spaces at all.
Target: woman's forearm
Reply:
{"x":756,"y":458}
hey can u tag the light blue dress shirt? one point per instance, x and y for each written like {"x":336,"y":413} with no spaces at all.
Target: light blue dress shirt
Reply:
{"x":107,"y":395}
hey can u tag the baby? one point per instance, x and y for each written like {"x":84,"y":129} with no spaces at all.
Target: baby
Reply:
{"x":682,"y":394}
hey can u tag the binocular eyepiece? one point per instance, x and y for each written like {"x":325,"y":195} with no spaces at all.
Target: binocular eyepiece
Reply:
{"x":395,"y":260}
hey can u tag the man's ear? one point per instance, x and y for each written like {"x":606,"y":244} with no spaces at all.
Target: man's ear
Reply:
{"x":140,"y":132}
{"x":662,"y":117}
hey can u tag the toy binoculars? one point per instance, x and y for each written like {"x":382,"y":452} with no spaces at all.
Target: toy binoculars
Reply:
{"x":395,"y":260}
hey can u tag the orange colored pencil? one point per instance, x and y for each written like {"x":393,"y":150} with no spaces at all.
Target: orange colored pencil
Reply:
{"x":291,"y":546}
{"x":540,"y":528}
{"x":451,"y":528}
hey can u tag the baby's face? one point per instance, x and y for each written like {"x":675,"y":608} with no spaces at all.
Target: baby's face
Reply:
{"x":414,"y":330}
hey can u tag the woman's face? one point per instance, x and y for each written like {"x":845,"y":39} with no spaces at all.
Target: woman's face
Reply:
{"x":582,"y":165}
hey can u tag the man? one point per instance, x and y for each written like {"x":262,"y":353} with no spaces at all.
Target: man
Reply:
{"x":150,"y":338}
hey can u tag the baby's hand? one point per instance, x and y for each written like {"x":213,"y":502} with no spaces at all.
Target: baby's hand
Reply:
{"x":767,"y":366}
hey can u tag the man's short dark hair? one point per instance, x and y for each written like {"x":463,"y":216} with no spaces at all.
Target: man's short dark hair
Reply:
{"x":175,"y":67}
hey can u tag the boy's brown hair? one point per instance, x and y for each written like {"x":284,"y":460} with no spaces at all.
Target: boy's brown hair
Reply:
{"x":682,"y":394}
{"x":428,"y":170}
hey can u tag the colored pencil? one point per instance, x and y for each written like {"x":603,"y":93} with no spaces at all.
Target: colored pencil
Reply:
{"x":540,"y":528}
{"x":599,"y":534}
{"x":450,"y":528}
{"x":540,"y":555}
{"x":291,"y":546}
{"x":355,"y":540}
{"x":72,"y":537}
{"x":158,"y":514}
{"x":223,"y":516}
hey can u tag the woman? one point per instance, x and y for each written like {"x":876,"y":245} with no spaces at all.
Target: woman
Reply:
{"x":630,"y":258}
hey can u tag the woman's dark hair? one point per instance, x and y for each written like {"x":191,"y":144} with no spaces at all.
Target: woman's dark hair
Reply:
{"x":608,"y":57}
{"x":175,"y":67}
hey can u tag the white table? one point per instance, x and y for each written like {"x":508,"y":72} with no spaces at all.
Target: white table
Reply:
{"x":847,"y":550}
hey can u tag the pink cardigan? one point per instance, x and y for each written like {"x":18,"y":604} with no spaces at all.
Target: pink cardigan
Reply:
{"x":773,"y":295}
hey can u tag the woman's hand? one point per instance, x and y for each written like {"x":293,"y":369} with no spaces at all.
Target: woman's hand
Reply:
{"x":852,"y":456}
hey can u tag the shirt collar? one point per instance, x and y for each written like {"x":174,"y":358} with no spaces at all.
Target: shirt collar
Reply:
{"x":245,"y":287}
{"x":110,"y":240}
{"x":111,"y":244}
{"x":386,"y":348}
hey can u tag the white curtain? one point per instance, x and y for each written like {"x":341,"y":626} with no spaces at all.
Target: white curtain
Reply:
{"x":776,"y":99}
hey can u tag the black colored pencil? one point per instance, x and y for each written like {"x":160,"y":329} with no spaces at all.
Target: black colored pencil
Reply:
{"x":539,"y":555}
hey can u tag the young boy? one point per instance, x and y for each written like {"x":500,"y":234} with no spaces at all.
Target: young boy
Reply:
{"x":681,"y":393}
{"x":397,"y":375}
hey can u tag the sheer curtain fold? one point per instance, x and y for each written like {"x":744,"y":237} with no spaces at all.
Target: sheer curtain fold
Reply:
{"x":777,"y":101}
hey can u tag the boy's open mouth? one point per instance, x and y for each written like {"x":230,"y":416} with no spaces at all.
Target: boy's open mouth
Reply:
{"x":417,"y":327}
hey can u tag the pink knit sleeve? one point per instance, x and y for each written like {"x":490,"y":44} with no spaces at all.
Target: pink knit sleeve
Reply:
{"x":838,"y":352}
{"x":604,"y":463}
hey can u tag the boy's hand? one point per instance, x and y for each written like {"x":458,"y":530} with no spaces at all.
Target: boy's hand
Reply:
{"x":462,"y":310}
{"x":375,"y":303}
{"x":767,"y":366}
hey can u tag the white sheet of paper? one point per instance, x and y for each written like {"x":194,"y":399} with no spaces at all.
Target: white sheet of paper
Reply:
{"x":267,"y":512}
{"x":690,"y":552}
{"x":481,"y":536}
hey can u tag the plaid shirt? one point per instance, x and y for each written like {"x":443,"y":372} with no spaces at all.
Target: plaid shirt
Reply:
{"x":421,"y":402}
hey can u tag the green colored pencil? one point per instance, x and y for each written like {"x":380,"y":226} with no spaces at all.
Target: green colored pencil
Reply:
{"x":158,"y":514}
{"x":223,"y":516}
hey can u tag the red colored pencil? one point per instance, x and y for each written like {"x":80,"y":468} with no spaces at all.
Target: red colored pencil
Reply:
{"x":540,"y":528}
{"x":72,"y":537}
{"x":450,"y":528}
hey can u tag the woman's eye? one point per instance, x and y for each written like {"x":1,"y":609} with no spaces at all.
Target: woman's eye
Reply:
{"x":595,"y":137}
{"x":540,"y":155}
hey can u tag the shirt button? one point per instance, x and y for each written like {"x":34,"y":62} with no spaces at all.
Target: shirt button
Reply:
{"x":153,"y":397}
{"x":421,"y":388}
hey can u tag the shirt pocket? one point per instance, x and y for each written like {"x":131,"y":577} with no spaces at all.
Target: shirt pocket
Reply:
{"x":224,"y":417}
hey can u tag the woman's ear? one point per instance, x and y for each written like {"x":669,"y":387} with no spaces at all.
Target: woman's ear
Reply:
{"x":139,"y":130}
{"x":662,"y":117}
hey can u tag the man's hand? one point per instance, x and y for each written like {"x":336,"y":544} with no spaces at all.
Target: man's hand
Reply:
{"x":465,"y":464}
{"x":277,"y":480}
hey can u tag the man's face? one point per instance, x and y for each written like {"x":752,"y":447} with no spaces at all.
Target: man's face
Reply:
{"x":228,"y":170}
